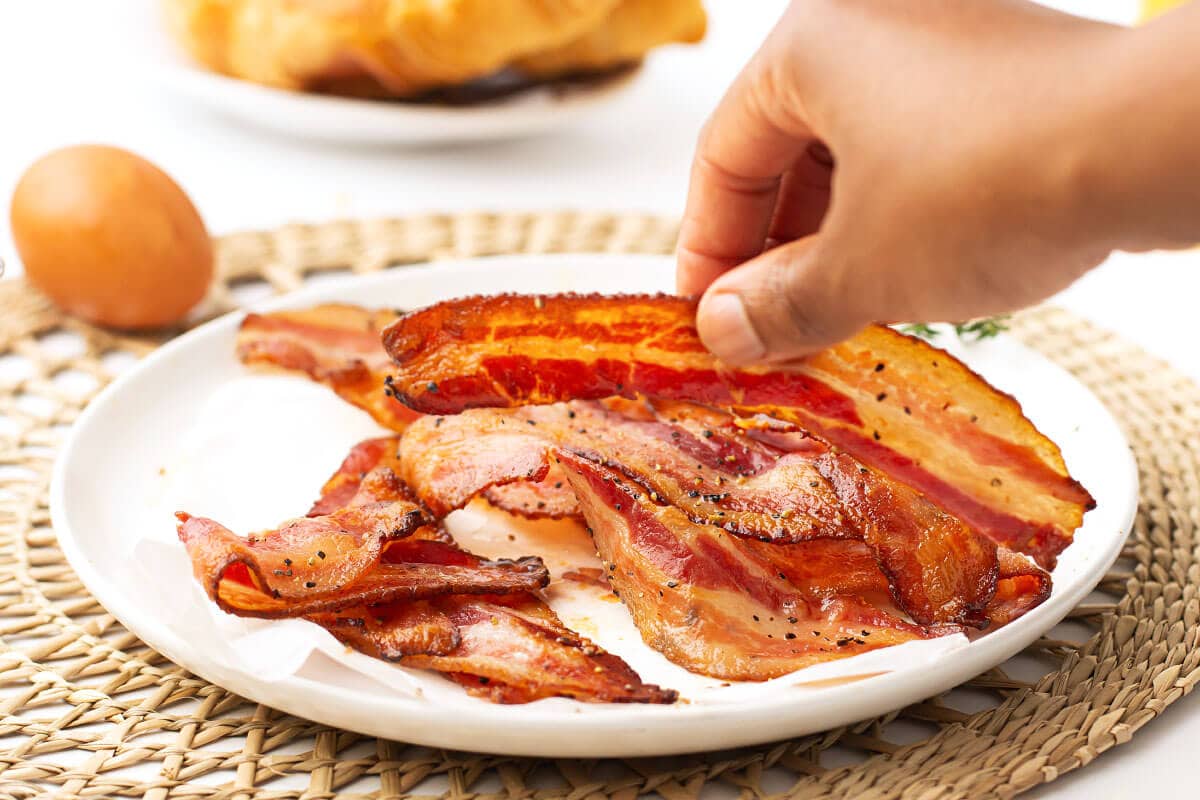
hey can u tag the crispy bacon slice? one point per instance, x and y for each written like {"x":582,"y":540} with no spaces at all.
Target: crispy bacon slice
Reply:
{"x":894,"y":402}
{"x":349,"y":556}
{"x":1022,"y":587}
{"x":310,"y":560}
{"x":710,"y":601}
{"x":549,"y":498}
{"x":365,"y":566}
{"x":938,"y":569}
{"x":336,"y":345}
{"x":509,"y":649}
{"x":405,"y":572}
{"x":828,"y":567}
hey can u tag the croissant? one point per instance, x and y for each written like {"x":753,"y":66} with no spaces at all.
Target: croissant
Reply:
{"x":625,"y":35}
{"x":404,"y":47}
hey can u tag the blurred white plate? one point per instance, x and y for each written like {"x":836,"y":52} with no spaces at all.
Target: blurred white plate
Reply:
{"x":190,"y":428}
{"x":340,"y":119}
{"x":303,"y":115}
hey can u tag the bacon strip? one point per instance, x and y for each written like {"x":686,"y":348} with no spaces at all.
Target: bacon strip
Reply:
{"x":365,"y":566}
{"x":336,"y":345}
{"x":349,"y":556}
{"x":509,"y":649}
{"x":709,"y":601}
{"x":827,"y":567}
{"x":892,"y":401}
{"x":937,"y":569}
{"x":308,"y":561}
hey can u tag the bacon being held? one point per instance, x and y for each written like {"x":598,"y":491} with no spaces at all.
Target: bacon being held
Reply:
{"x":893,"y":402}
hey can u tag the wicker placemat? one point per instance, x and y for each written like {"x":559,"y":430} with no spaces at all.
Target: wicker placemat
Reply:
{"x":88,"y":710}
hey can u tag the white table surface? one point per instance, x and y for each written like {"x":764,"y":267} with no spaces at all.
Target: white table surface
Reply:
{"x":72,"y":72}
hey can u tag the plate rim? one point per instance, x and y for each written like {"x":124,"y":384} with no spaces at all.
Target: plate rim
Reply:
{"x":838,"y":705}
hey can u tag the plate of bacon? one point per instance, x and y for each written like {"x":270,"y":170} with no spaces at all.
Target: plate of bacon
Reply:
{"x":545,"y":509}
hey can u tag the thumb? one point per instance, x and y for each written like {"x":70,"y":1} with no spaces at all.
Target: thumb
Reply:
{"x":781,"y":305}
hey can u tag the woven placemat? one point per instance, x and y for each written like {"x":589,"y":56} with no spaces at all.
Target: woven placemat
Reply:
{"x":89,"y":711}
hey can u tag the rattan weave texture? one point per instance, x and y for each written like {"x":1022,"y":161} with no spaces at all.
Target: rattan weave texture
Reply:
{"x":86,"y":710}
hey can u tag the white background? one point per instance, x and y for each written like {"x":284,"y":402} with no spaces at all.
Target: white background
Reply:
{"x":76,"y":72}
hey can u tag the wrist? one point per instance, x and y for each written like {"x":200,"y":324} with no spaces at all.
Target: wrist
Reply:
{"x":1132,"y":175}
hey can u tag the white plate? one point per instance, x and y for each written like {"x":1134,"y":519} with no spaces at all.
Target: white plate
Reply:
{"x":378,"y":122}
{"x":190,"y":428}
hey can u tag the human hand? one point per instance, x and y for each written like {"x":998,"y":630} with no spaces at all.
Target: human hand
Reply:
{"x":959,"y":184}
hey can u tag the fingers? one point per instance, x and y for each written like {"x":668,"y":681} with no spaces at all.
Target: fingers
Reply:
{"x":781,"y":305}
{"x":740,"y":161}
{"x":803,"y":196}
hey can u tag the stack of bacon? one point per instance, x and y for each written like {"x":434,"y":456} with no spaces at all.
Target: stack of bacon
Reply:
{"x":753,"y":521}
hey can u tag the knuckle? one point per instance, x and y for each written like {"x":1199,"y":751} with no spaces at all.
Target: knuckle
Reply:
{"x":776,"y":96}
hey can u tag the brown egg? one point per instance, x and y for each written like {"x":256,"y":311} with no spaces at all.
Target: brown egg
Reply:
{"x":111,"y":238}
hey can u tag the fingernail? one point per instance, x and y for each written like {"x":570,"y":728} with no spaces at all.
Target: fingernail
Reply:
{"x":726,"y":330}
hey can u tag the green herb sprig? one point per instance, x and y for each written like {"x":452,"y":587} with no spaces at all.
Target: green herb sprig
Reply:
{"x":969,"y":331}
